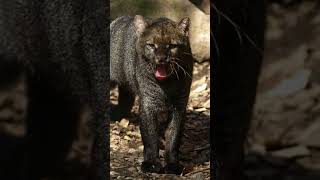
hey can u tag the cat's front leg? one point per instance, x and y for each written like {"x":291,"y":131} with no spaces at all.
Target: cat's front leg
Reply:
{"x":149,"y":134}
{"x":172,"y":137}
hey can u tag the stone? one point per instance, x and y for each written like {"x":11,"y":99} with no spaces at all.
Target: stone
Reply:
{"x":197,"y":176}
{"x":291,"y":152}
{"x":127,"y":138}
{"x":124,"y":123}
{"x":200,"y":88}
{"x":291,"y":85}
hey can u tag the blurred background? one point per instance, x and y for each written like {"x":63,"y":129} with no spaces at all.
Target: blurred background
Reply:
{"x":284,"y":140}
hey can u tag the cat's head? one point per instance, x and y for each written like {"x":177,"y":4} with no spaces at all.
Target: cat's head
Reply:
{"x":162,"y":43}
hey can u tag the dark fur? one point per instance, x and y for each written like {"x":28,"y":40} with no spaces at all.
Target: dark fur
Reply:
{"x":236,"y":70}
{"x":63,"y":47}
{"x":132,"y":68}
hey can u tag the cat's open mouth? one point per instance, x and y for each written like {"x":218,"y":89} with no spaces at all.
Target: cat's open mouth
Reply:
{"x":162,"y":71}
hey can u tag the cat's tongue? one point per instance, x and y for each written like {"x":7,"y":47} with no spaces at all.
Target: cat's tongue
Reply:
{"x":161,"y":71}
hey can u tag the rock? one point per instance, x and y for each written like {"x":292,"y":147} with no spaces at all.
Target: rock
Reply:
{"x":291,"y":85}
{"x":140,"y":148}
{"x":207,"y":104}
{"x":197,"y":176}
{"x":131,"y":169}
{"x":127,"y":138}
{"x":303,"y":97}
{"x":204,"y":5}
{"x":200,"y":88}
{"x":314,"y":65}
{"x":201,"y":110}
{"x":274,"y":129}
{"x":124,"y":123}
{"x":285,"y":67}
{"x":306,"y":106}
{"x":113,"y":173}
{"x":134,"y":133}
{"x":131,"y":150}
{"x":198,"y":82}
{"x":316,"y":108}
{"x":199,"y":36}
{"x":140,"y":159}
{"x":6,"y":114}
{"x":291,"y":152}
{"x":276,"y":30}
{"x":258,"y":148}
{"x":189,"y":108}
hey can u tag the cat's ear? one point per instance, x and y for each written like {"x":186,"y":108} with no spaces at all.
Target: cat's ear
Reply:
{"x":140,"y":24}
{"x":184,"y":25}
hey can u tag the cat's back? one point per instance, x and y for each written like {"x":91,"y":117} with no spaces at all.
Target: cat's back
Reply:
{"x":122,"y":36}
{"x":122,"y":49}
{"x":120,"y":24}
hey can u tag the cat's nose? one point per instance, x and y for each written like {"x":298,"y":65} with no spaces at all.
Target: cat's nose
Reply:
{"x":162,"y":59}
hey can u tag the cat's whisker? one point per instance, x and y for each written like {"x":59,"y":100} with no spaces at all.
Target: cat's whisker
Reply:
{"x":177,"y":59}
{"x":179,"y":67}
{"x":180,"y":60}
{"x":171,"y":72}
{"x":175,"y":71}
{"x":185,"y":72}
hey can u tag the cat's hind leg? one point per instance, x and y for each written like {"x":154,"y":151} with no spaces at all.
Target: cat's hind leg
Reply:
{"x":125,"y":103}
{"x":150,"y":135}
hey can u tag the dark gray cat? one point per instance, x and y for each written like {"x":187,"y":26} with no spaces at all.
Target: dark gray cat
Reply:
{"x":152,"y":58}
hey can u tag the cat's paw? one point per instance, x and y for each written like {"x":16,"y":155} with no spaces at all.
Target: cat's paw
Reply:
{"x":173,"y":168}
{"x":151,"y":167}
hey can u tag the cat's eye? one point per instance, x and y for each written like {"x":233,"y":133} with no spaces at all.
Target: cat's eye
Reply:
{"x":151,"y":46}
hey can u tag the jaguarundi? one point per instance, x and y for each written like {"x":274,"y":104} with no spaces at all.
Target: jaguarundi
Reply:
{"x":151,"y":58}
